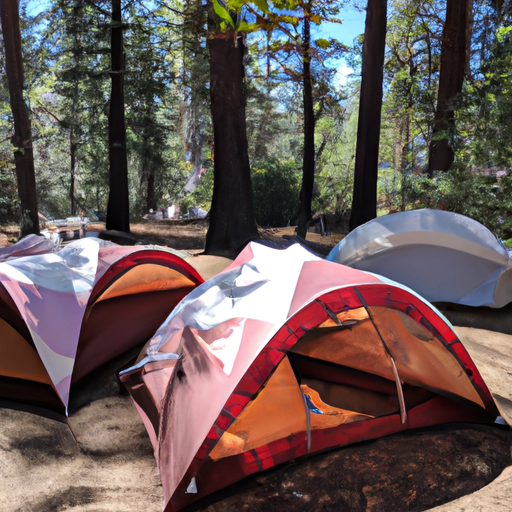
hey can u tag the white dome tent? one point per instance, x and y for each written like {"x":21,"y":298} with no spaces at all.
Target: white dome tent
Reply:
{"x":443,"y":256}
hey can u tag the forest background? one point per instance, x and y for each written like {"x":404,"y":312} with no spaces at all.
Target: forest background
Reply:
{"x":170,"y":146}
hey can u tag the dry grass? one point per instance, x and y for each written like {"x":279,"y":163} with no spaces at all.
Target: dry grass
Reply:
{"x":181,"y":235}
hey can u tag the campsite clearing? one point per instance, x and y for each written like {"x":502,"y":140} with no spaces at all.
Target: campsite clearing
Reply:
{"x":189,"y":235}
{"x":104,"y":462}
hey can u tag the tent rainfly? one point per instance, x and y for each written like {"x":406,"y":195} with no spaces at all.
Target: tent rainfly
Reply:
{"x":443,"y":256}
{"x":66,"y":312}
{"x":284,"y":354}
{"x":28,"y":246}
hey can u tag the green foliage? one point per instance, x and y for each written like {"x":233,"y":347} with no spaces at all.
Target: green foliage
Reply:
{"x":68,"y":94}
{"x":223,"y":13}
{"x":67,"y":64}
{"x":335,"y":164}
{"x":485,"y":118}
{"x":167,"y":100}
{"x":411,"y":76}
{"x":152,"y":91}
{"x":9,"y":204}
{"x":485,"y":198}
{"x":391,"y":187}
{"x":67,"y":60}
{"x":276,"y":191}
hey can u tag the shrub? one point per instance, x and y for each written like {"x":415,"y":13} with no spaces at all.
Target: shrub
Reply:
{"x":485,"y":198}
{"x":276,"y":187}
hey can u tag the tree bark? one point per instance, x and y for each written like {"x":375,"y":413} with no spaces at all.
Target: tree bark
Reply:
{"x":195,"y":76}
{"x":75,"y":100}
{"x":193,"y":139}
{"x":232,"y":221}
{"x":454,"y":55}
{"x":150,"y":194}
{"x":308,"y":162}
{"x":22,"y":138}
{"x":118,"y":211}
{"x":148,"y":176}
{"x":364,"y":201}
{"x":73,"y":148}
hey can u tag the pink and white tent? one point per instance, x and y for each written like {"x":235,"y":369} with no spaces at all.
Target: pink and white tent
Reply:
{"x":28,"y":246}
{"x":284,"y":354}
{"x":64,"y":313}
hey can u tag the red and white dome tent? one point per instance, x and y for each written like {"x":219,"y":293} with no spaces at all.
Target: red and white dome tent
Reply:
{"x":66,"y":312}
{"x":284,"y":354}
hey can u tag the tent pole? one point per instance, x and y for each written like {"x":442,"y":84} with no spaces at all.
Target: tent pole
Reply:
{"x":399,"y":390}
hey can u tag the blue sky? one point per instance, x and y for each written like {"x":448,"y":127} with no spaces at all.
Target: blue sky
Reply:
{"x":346,"y":32}
{"x":352,"y":26}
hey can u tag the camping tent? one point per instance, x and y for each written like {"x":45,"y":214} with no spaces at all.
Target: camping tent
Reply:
{"x":284,"y":354}
{"x":444,"y":256}
{"x":64,"y":313}
{"x":28,"y":246}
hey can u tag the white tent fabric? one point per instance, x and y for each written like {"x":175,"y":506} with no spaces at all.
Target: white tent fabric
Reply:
{"x":28,"y":246}
{"x":443,"y":256}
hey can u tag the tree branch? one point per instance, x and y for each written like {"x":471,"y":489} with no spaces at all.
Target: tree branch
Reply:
{"x":98,"y":8}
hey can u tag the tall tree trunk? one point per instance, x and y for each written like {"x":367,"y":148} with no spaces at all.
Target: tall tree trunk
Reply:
{"x":73,"y":149}
{"x":193,"y":139}
{"x":151,"y":203}
{"x":22,"y":138}
{"x":232,"y":221}
{"x":148,"y":164}
{"x":364,"y":201}
{"x":454,"y":55}
{"x":148,"y":176}
{"x":75,"y":99}
{"x":308,"y":162}
{"x":118,"y":211}
{"x":195,"y":76}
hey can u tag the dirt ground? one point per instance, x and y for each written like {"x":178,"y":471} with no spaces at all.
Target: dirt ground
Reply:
{"x":188,"y":235}
{"x":102,"y":461}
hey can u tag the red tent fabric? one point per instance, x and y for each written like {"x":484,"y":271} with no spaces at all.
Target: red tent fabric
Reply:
{"x":284,"y":354}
